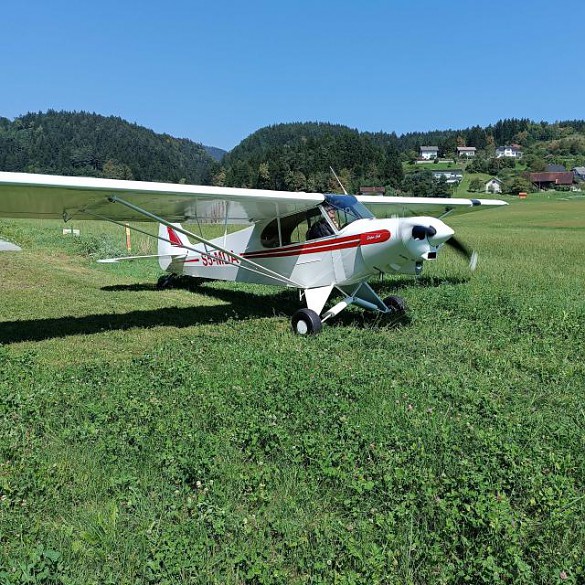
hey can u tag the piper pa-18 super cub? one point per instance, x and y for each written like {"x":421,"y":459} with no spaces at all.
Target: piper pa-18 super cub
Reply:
{"x":313,"y":242}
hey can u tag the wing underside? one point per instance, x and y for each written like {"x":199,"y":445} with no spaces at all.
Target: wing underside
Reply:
{"x":55,"y":197}
{"x":427,"y":206}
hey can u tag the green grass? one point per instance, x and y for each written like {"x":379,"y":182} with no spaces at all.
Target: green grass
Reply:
{"x":188,"y":436}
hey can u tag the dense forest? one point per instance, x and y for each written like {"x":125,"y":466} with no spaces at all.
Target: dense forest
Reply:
{"x":293,"y":157}
{"x":87,"y":144}
{"x":299,"y":157}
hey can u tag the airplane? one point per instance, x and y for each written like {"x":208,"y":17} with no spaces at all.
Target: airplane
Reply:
{"x":317,"y":243}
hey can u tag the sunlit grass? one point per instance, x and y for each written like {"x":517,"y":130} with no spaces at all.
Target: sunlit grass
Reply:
{"x":187,"y":435}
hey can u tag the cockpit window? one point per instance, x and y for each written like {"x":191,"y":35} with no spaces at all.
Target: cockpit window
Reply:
{"x":347,"y":208}
{"x":293,"y":228}
{"x":305,"y":224}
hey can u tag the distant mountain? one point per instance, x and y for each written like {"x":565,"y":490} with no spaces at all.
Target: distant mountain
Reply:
{"x":80,"y":143}
{"x":215,"y":153}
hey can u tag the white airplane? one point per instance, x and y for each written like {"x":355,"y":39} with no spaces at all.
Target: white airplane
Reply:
{"x":313,"y":242}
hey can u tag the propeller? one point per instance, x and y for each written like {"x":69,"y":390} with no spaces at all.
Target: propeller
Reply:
{"x":418,"y":237}
{"x":463,"y":250}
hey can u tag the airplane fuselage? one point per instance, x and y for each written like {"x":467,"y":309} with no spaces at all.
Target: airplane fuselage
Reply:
{"x":357,"y":252}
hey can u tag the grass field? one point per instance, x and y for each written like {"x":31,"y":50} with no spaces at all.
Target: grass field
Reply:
{"x":186,"y":436}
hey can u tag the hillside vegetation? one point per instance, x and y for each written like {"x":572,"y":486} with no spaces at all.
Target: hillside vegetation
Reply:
{"x":298,"y":156}
{"x":292,"y":157}
{"x":87,"y":144}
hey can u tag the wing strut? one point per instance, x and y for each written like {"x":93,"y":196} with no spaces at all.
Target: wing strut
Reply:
{"x":244,"y":263}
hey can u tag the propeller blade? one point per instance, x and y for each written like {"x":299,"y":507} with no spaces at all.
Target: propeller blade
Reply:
{"x":460,"y":248}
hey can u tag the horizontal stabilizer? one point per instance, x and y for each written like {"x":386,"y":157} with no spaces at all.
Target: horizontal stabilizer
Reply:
{"x":9,"y":247}
{"x":121,"y":258}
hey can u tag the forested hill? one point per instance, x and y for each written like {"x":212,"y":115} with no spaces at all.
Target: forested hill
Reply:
{"x":81,"y":143}
{"x":291,"y":157}
{"x":298,"y":157}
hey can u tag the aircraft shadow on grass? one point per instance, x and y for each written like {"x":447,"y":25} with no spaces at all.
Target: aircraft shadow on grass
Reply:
{"x":419,"y":281}
{"x":242,"y":306}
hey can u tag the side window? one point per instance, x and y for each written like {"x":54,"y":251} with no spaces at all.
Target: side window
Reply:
{"x":293,"y":229}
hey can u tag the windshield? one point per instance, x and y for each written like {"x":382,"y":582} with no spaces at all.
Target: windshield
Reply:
{"x":348,"y":208}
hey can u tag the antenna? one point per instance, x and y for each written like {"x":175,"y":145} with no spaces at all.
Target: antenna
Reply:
{"x":337,"y":179}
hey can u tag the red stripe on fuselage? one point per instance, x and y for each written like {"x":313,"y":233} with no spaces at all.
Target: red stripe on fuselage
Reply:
{"x":327,"y":245}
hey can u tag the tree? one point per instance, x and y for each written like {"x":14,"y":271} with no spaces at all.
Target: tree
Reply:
{"x":475,"y":185}
{"x":295,"y":181}
{"x":218,"y":179}
{"x":419,"y":183}
{"x":116,"y":170}
{"x":535,"y":163}
{"x":477,"y":165}
{"x":263,"y":176}
{"x":442,"y":188}
{"x":517,"y":184}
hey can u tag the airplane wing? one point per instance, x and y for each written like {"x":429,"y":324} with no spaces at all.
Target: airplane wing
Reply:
{"x":428,"y":206}
{"x":56,"y":197}
{"x":9,"y":247}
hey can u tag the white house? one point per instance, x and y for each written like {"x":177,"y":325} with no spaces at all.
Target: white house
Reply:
{"x":429,"y":152}
{"x":466,"y":151}
{"x":451,"y":175}
{"x":494,"y":185}
{"x":579,"y":173}
{"x":512,"y":151}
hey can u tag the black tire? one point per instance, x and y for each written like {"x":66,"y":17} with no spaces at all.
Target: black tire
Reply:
{"x":165,"y":281}
{"x":306,"y":322}
{"x":396,"y":305}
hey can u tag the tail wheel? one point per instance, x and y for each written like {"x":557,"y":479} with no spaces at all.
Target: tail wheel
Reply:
{"x":396,"y":305}
{"x":306,"y":322}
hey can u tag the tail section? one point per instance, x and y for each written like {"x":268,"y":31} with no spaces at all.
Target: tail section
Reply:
{"x":171,"y":245}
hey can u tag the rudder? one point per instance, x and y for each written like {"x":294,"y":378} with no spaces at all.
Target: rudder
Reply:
{"x":171,"y":244}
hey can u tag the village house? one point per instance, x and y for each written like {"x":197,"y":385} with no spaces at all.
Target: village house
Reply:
{"x":372,"y":190}
{"x":579,"y":173}
{"x":466,"y":151}
{"x":550,"y":180}
{"x":494,"y":185}
{"x":552,"y":168}
{"x":512,"y":151}
{"x":429,"y":152}
{"x":451,"y":175}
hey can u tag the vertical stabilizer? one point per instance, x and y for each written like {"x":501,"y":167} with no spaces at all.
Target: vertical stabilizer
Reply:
{"x":171,"y":244}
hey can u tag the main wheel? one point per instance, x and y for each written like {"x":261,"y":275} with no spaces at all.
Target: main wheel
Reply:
{"x":306,"y":322}
{"x":165,"y":281}
{"x":396,"y":305}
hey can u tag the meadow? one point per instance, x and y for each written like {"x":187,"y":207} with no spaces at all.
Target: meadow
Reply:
{"x":187,"y":436}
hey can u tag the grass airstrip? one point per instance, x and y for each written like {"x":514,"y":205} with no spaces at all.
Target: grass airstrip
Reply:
{"x":186,"y":436}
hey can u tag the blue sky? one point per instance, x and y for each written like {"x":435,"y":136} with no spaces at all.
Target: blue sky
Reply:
{"x":216,"y":71}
